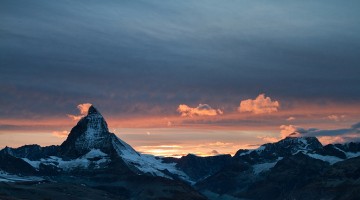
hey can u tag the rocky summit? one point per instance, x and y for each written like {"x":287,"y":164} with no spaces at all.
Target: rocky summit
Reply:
{"x":93,"y":163}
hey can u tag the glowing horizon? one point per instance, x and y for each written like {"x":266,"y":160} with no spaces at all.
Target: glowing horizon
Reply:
{"x":198,"y":133}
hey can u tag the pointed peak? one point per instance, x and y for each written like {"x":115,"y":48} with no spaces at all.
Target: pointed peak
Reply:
{"x":93,"y":110}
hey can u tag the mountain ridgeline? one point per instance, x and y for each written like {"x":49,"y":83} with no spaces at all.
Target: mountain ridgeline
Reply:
{"x":93,"y":163}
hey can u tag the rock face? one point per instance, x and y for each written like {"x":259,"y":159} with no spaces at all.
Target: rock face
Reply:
{"x":289,"y":173}
{"x":33,"y":152}
{"x":12,"y":164}
{"x":273,"y":151}
{"x":91,"y":132}
{"x":293,"y":168}
{"x":198,"y":168}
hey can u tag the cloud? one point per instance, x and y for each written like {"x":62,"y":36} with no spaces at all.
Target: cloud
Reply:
{"x":339,"y":139}
{"x":289,"y":130}
{"x":60,"y":134}
{"x":75,"y":117}
{"x":325,"y":136}
{"x":214,"y":152}
{"x":220,"y":144}
{"x":336,"y":117}
{"x":260,"y":105}
{"x":201,"y":110}
{"x":290,"y":119}
{"x":356,"y":126}
{"x":83,"y":109}
{"x":295,"y":131}
{"x":331,"y":139}
{"x":269,"y":139}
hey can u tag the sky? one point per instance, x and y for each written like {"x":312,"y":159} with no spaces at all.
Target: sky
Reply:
{"x":177,"y":77}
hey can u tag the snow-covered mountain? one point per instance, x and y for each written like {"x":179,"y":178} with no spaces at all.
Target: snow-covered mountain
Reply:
{"x":282,"y":170}
{"x":90,"y":146}
{"x":310,"y":146}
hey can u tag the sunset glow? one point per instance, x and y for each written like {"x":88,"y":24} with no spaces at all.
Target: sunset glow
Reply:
{"x":177,"y":135}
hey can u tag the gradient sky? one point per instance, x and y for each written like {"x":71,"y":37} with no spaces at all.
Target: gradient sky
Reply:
{"x":170,"y":76}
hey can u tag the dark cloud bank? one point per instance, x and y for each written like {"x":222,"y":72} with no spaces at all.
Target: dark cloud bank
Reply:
{"x":145,"y":57}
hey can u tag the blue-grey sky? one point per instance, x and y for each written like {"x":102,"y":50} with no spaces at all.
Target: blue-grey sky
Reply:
{"x":133,"y":56}
{"x":189,"y":76}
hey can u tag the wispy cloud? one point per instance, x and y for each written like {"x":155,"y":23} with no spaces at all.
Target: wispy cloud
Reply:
{"x":290,"y":119}
{"x":60,"y":134}
{"x":83,"y":108}
{"x":260,"y":105}
{"x":268,"y":138}
{"x":201,"y":110}
{"x":287,"y":130}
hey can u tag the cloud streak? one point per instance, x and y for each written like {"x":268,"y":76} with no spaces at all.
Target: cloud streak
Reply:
{"x":60,"y":134}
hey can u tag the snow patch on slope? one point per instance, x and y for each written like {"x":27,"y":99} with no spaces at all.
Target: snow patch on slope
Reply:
{"x":34,"y":164}
{"x":94,"y":134}
{"x":329,"y":159}
{"x":146,"y":163}
{"x":258,"y":168}
{"x":93,"y":153}
{"x":352,"y":155}
{"x":82,"y":162}
{"x":333,"y":159}
{"x":348,"y":154}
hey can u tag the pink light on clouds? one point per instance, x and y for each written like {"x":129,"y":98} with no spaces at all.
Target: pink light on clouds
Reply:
{"x":287,"y":130}
{"x":83,"y":108}
{"x":60,"y":134}
{"x":259,"y":105}
{"x":201,"y":110}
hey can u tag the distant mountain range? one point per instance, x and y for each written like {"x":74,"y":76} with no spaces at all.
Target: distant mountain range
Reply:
{"x":93,"y":163}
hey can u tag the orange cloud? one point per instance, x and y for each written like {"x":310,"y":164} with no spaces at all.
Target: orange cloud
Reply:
{"x":60,"y":134}
{"x":83,"y":108}
{"x":220,"y":144}
{"x":287,"y":130}
{"x":269,"y":139}
{"x":290,"y":119}
{"x":339,"y":138}
{"x":201,"y":110}
{"x":260,"y":105}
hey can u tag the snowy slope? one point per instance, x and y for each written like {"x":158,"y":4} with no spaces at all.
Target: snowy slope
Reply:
{"x":91,"y":138}
{"x":258,"y":168}
{"x":84,"y":162}
{"x":147,"y":164}
{"x":329,"y":159}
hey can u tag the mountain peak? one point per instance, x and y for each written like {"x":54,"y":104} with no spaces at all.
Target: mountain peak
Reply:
{"x":91,"y":132}
{"x":93,"y":110}
{"x":306,"y":142}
